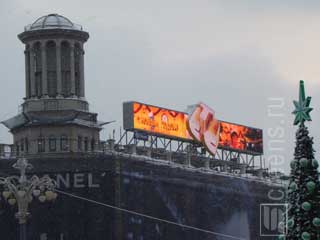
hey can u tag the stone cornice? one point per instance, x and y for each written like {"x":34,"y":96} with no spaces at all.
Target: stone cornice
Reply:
{"x":78,"y":35}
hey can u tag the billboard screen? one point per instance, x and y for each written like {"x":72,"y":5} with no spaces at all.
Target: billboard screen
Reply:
{"x":240,"y":138}
{"x":204,"y":127}
{"x":199,"y":125}
{"x":156,"y":120}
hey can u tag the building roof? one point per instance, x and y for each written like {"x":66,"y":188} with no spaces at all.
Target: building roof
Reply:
{"x":28,"y":119}
{"x":53,"y":21}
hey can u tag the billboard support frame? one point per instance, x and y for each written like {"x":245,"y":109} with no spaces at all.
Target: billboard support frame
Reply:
{"x":234,"y":159}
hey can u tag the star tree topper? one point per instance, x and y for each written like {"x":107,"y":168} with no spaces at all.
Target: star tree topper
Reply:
{"x":302,"y":109}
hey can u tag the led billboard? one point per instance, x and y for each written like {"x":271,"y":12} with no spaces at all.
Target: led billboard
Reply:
{"x":199,"y":125}
{"x":156,"y":120}
{"x":240,"y":138}
{"x":204,"y":127}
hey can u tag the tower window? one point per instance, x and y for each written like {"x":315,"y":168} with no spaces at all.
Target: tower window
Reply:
{"x":79,"y":143}
{"x":22,"y":145}
{"x":51,"y":68}
{"x":28,"y":83}
{"x":17,"y":149}
{"x":64,"y":146}
{"x":92,"y":144}
{"x":26,"y":144}
{"x":41,"y":144}
{"x":77,"y":57}
{"x":66,"y":68}
{"x":38,"y":69}
{"x":52,"y":144}
{"x":86,"y":144}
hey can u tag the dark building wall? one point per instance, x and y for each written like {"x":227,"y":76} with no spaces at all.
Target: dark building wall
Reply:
{"x":218,"y":203}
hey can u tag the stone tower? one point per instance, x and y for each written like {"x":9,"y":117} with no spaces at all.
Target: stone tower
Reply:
{"x":55,"y":115}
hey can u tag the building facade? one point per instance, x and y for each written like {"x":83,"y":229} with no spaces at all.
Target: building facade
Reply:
{"x":55,"y":115}
{"x":133,"y":192}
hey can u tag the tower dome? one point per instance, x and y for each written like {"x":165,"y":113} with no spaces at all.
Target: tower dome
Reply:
{"x":52,"y":21}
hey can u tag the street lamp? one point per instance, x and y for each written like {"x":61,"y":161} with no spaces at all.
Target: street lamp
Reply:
{"x":21,"y":190}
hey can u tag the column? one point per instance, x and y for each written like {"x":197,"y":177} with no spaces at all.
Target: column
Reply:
{"x":32,"y":72}
{"x":133,"y":149}
{"x":188,"y":156}
{"x":44,"y":69}
{"x":149,"y":152}
{"x":111,"y":143}
{"x":27,"y":69}
{"x":72,"y":70}
{"x":169,"y":156}
{"x":207,"y":163}
{"x":242,"y":169}
{"x":188,"y":159}
{"x":82,"y":73}
{"x":59,"y":77}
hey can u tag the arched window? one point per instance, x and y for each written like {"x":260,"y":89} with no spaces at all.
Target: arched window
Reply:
{"x":66,"y":69}
{"x":28,"y":84}
{"x":38,"y":69}
{"x":52,"y":144}
{"x":64,"y":146}
{"x":77,"y":57}
{"x":51,"y":68}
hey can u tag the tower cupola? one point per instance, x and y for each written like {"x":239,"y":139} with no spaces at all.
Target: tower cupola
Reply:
{"x":54,"y":59}
{"x":55,"y":117}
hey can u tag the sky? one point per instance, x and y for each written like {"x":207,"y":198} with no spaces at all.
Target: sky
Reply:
{"x":243,"y":58}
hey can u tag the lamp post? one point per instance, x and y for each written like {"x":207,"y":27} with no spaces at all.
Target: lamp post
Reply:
{"x":21,"y":190}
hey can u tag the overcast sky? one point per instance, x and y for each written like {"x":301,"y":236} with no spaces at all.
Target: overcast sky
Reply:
{"x":232,"y":55}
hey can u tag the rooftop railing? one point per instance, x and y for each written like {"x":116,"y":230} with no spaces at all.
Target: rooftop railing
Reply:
{"x":39,"y":27}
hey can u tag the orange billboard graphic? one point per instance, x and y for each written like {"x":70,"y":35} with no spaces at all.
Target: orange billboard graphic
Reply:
{"x":240,"y":138}
{"x":200,"y":125}
{"x":204,"y":127}
{"x":160,"y":120}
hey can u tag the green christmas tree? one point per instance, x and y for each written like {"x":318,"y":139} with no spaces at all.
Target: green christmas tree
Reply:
{"x":303,"y":195}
